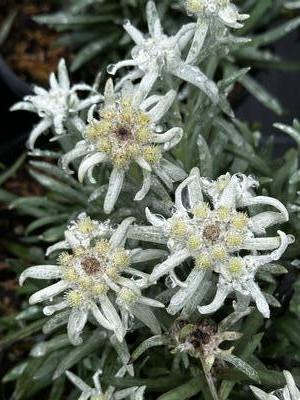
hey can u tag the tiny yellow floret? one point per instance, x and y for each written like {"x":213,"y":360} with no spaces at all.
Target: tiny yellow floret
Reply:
{"x":128,"y":296}
{"x":79,"y":251}
{"x":178,"y":228}
{"x":194,"y":242}
{"x":234,"y":240}
{"x":219,"y":253}
{"x":113,"y":273}
{"x":85,"y":282}
{"x":99,"y":289}
{"x":236,"y":265}
{"x":239,"y":221}
{"x":121,"y":259}
{"x":223,"y":213}
{"x":70,"y":275}
{"x":203,"y":261}
{"x":85,"y":225}
{"x":74,"y":298}
{"x":102,"y":247}
{"x":201,"y":211}
{"x":65,"y":259}
{"x":152,"y":154}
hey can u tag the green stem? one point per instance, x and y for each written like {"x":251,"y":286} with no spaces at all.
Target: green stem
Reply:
{"x":209,"y":380}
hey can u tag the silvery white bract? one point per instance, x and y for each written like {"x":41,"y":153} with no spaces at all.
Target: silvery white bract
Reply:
{"x":80,"y":232}
{"x":57,"y":105}
{"x":128,"y":132}
{"x":208,"y":13}
{"x":290,"y":391}
{"x":159,"y":54}
{"x":98,"y":280}
{"x":209,"y":226}
{"x":97,"y":393}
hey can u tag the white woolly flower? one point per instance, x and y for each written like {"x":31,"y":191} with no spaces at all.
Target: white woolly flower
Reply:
{"x":290,"y":391}
{"x":223,"y":236}
{"x":224,"y":10}
{"x":97,"y":393}
{"x":97,"y":280}
{"x":158,"y":54}
{"x":56,"y":105}
{"x":128,"y":132}
{"x":80,"y":232}
{"x":206,"y":12}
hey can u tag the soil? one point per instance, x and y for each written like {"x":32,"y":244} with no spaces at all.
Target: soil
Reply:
{"x":31,"y":50}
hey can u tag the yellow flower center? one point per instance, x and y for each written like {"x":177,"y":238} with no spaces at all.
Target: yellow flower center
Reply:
{"x":85,"y":225}
{"x":201,"y":211}
{"x":74,"y":298}
{"x":203,"y":261}
{"x":234,"y":240}
{"x":178,"y":228}
{"x":194,"y":242}
{"x":128,"y":296}
{"x":240,"y":221}
{"x":123,"y":133}
{"x":236,"y":266}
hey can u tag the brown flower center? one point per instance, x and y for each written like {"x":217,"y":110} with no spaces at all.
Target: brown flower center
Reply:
{"x":91,"y":265}
{"x":211,"y":232}
{"x":123,"y":133}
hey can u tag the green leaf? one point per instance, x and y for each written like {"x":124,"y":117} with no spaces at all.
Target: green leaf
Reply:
{"x":185,"y":391}
{"x":6,"y":26}
{"x":261,"y":94}
{"x":65,"y":20}
{"x":241,"y":365}
{"x":15,"y":372}
{"x":78,"y":353}
{"x":53,"y":185}
{"x":149,"y":343}
{"x":291,"y":131}
{"x":260,"y":9}
{"x":90,"y":51}
{"x":22,"y":333}
{"x":58,"y":389}
{"x":41,"y":222}
{"x":12,"y":170}
{"x":276,"y":33}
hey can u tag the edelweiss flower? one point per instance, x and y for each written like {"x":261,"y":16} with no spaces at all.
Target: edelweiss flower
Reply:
{"x":80,"y":232}
{"x":202,"y":340}
{"x":160,"y":54}
{"x":96,"y":393}
{"x":207,"y":11}
{"x":92,"y":280}
{"x":128,"y":132}
{"x":224,"y":10}
{"x":216,"y":234}
{"x":290,"y":391}
{"x":57,"y":104}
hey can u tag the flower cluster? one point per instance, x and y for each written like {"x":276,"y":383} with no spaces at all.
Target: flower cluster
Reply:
{"x":128,"y":131}
{"x":217,"y":238}
{"x":216,"y":233}
{"x":159,"y":54}
{"x":93,"y":280}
